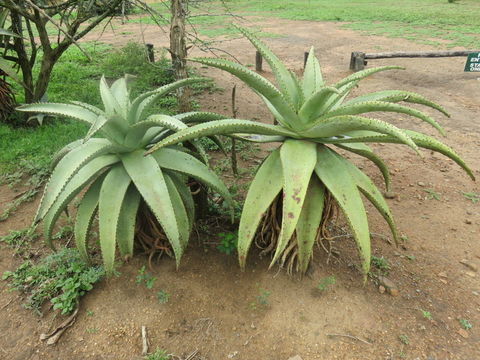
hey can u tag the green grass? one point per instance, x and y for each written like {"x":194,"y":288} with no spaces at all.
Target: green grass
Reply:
{"x":423,"y":21}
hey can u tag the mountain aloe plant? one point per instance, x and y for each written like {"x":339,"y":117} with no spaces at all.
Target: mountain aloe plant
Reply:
{"x":306,"y":170}
{"x":117,"y":176}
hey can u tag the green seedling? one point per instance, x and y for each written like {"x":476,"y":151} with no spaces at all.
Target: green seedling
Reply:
{"x":404,"y":339}
{"x":159,"y":354}
{"x":228,"y":243}
{"x":473,"y":197}
{"x":326,"y":282}
{"x":464,"y":323}
{"x":432,"y":195}
{"x":145,"y":277}
{"x":381,"y":264}
{"x":163,"y":297}
{"x":426,"y":315}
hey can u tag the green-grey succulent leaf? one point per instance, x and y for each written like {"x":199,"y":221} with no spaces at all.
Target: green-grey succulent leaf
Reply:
{"x":309,"y":222}
{"x":67,"y":167}
{"x":368,"y":188}
{"x":67,"y":110}
{"x":312,"y":108}
{"x":222,"y":127}
{"x":263,"y":190}
{"x":312,"y":75}
{"x":198,"y":117}
{"x":64,"y":151}
{"x":360,"y":75}
{"x":99,"y":123}
{"x":335,"y":175}
{"x":120,"y":93}
{"x":137,"y":131}
{"x":280,"y":119}
{"x":180,"y":211}
{"x":5,"y":32}
{"x":185,"y":194}
{"x":338,"y":125}
{"x":296,"y":177}
{"x":85,"y":214}
{"x":110,"y":104}
{"x":260,"y":138}
{"x":363,"y":150}
{"x":187,"y":164}
{"x":89,"y":107}
{"x":126,"y":222}
{"x":256,"y":82}
{"x":142,"y":102}
{"x":285,"y":82}
{"x":396,"y":96}
{"x":373,"y":106}
{"x":148,"y":178}
{"x":421,"y":140}
{"x":110,"y":202}
{"x":8,"y":69}
{"x":217,"y":141}
{"x":84,"y":176}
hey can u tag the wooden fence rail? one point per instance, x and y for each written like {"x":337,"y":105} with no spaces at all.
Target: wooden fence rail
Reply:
{"x":358,"y":59}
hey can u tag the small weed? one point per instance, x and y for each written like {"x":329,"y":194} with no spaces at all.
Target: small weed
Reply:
{"x":381,"y":264}
{"x":228,"y":243}
{"x":163,"y":297}
{"x":19,"y":238}
{"x":326,"y":282}
{"x":159,"y":354}
{"x":404,"y":339}
{"x":61,"y":278}
{"x":402,"y":355}
{"x":92,"y":330}
{"x":90,"y":313}
{"x":464,"y":323}
{"x":473,"y":197}
{"x":410,"y":257}
{"x":146,"y":277}
{"x":262,"y":300}
{"x":404,"y":238}
{"x":432,"y":195}
{"x":426,"y":315}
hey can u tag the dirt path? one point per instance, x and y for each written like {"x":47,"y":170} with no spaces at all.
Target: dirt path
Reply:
{"x":226,"y":314}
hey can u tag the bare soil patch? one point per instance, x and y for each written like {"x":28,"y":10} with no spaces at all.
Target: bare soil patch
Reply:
{"x":215,"y":309}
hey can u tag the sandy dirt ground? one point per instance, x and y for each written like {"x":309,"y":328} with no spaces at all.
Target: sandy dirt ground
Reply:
{"x":217,"y":312}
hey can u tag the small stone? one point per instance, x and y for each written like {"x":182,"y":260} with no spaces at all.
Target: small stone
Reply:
{"x":296,"y":357}
{"x":393,"y":291}
{"x":468,"y":222}
{"x":443,"y":274}
{"x":252,"y":325}
{"x":469,"y":212}
{"x":469,"y":265}
{"x":421,"y":183}
{"x":443,"y":281}
{"x":390,"y":195}
{"x":476,"y":293}
{"x":470,"y":273}
{"x":232,"y":355}
{"x":463,"y":333}
{"x":381,"y":289}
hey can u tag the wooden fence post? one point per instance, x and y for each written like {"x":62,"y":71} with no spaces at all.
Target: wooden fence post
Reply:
{"x":357,"y":61}
{"x":150,"y":54}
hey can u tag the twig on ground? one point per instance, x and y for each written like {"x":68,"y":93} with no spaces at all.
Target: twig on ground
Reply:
{"x":144,"y":341}
{"x":350,"y":337}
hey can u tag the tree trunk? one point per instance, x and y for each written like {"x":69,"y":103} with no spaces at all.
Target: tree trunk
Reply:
{"x":178,"y":50}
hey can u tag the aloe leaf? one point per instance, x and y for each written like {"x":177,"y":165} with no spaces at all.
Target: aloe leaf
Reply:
{"x":313,"y":106}
{"x":180,"y":211}
{"x":366,"y":152}
{"x":185,"y":194}
{"x":421,"y":140}
{"x":256,"y":82}
{"x":67,"y":167}
{"x":85,"y":214}
{"x":126,"y":222}
{"x":371,"y":192}
{"x":365,"y":73}
{"x":142,"y":102}
{"x":265,"y":187}
{"x":64,"y":151}
{"x":86,"y":174}
{"x":5,"y":32}
{"x":148,"y":178}
{"x":338,"y":125}
{"x":120,"y":93}
{"x":396,"y":96}
{"x":109,"y":102}
{"x":222,"y":127}
{"x":110,"y":202}
{"x":372,"y":106}
{"x":282,"y":75}
{"x":309,"y":222}
{"x":335,"y":175}
{"x":137,"y":131}
{"x":275,"y":112}
{"x":186,"y":164}
{"x":89,"y":107}
{"x":312,"y":75}
{"x":68,"y":110}
{"x":296,"y":177}
{"x":198,"y":116}
{"x":260,"y":138}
